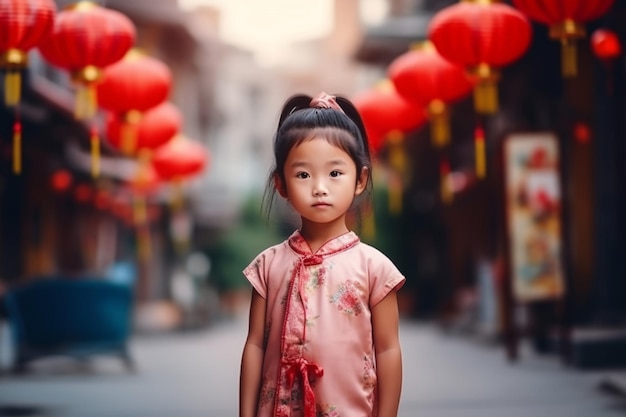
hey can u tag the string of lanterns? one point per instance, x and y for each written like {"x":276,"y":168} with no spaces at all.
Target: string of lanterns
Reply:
{"x":468,"y":44}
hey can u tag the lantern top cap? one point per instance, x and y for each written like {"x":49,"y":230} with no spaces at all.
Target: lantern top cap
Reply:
{"x":424,"y":46}
{"x":81,"y":6}
{"x":484,"y":2}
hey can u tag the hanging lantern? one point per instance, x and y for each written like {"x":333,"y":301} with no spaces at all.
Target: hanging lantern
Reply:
{"x":180,"y":159}
{"x":138,"y":82}
{"x":87,"y":38}
{"x":23,"y":24}
{"x":383,"y":110}
{"x":423,"y":77}
{"x":131,"y":87}
{"x":605,"y":44}
{"x":481,"y":36}
{"x":566,"y":20}
{"x":134,"y":132}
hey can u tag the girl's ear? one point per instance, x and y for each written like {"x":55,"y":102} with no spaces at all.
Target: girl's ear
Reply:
{"x":361,"y":182}
{"x":279,"y":184}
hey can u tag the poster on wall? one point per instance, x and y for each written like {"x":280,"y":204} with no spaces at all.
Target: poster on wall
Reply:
{"x":533,"y":211}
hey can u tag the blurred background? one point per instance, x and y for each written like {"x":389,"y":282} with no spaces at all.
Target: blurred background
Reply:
{"x":135,"y":146}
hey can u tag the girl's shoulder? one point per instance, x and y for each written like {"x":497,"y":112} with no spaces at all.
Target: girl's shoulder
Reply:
{"x":273,"y":250}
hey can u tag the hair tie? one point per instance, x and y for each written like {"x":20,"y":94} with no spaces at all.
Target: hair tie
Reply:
{"x":325,"y":101}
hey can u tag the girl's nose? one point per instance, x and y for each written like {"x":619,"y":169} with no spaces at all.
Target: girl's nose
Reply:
{"x":319,"y":190}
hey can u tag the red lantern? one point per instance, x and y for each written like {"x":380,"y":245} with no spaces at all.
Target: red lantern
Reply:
{"x":481,"y":36}
{"x":180,"y":159}
{"x":136,"y":132}
{"x":383,"y":110}
{"x":422,"y":76}
{"x":87,"y":38}
{"x":136,"y":83}
{"x":565,"y":19}
{"x":605,"y":44}
{"x":22,"y":26}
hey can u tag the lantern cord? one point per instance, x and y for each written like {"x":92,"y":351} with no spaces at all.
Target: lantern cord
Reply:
{"x":569,"y":58}
{"x":480,"y":150}
{"x":129,"y":137}
{"x":85,"y":106}
{"x":17,"y":145}
{"x":95,"y":152}
{"x":12,"y":87}
{"x":177,"y":201}
{"x":486,"y":97}
{"x":439,"y":123}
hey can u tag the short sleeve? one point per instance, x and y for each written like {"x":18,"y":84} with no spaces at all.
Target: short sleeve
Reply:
{"x":384,"y":277}
{"x":255,"y":273}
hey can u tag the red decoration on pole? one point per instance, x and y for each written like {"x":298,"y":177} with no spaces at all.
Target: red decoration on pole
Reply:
{"x":61,"y":180}
{"x":383,"y":110}
{"x":605,"y":44}
{"x":133,"y":132}
{"x":481,"y":36}
{"x":423,"y":77}
{"x":566,"y":20}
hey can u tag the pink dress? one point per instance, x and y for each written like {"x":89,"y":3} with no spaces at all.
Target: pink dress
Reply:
{"x":319,"y":353}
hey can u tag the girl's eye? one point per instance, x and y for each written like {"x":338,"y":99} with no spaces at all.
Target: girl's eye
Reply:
{"x":335,"y":173}
{"x":302,"y":175}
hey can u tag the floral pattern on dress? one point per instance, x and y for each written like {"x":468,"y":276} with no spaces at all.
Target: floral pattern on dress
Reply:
{"x":348,"y":298}
{"x":327,"y":410}
{"x":267,"y":393}
{"x":369,"y":377}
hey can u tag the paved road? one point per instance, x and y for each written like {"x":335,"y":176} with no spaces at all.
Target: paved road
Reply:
{"x":195,"y":375}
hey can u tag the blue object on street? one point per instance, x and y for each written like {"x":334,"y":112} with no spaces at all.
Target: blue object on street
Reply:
{"x":77,"y":317}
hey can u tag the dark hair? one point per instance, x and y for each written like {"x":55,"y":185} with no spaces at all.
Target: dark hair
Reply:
{"x":299,"y":122}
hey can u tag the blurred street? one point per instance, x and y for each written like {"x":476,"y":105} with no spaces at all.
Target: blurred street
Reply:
{"x":196,"y":374}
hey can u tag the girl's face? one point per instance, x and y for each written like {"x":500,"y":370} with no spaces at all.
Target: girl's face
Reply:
{"x":321,"y":181}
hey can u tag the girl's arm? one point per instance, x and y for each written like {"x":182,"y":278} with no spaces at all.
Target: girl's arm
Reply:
{"x":385,"y":320}
{"x":252,"y":359}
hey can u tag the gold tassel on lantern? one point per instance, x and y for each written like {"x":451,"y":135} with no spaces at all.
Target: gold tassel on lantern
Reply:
{"x":129,"y":132}
{"x":177,"y":201}
{"x":486,"y":90}
{"x":13,"y":60}
{"x":95,"y":152}
{"x":480,"y":153}
{"x":439,"y":123}
{"x":17,"y":147}
{"x":568,"y":32}
{"x":12,"y":88}
{"x":86,"y":101}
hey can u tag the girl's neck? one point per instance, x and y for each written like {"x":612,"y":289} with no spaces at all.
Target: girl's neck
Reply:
{"x":316,"y":234}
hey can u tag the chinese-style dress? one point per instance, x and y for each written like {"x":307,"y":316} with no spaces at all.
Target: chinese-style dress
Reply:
{"x":319,"y":356}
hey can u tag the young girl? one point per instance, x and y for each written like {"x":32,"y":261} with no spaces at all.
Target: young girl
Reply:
{"x":323,"y":330}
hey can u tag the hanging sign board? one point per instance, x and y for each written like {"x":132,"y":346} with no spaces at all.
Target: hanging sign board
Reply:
{"x":533,"y":215}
